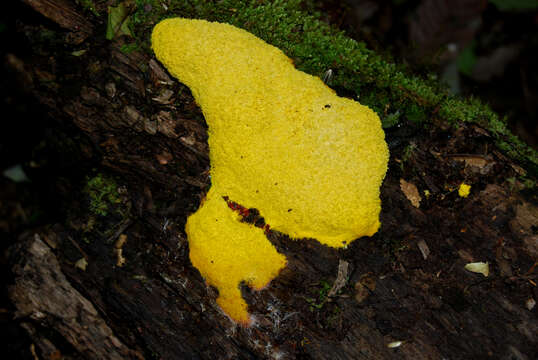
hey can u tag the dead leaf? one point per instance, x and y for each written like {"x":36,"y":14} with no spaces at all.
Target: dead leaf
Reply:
{"x":118,"y":21}
{"x":81,"y":264}
{"x":478,"y":267}
{"x":16,"y":174}
{"x":477,"y":163}
{"x":361,"y":292}
{"x":78,"y":53}
{"x":472,"y":160}
{"x":364,"y":287}
{"x":411,"y":192}
{"x":394,"y":344}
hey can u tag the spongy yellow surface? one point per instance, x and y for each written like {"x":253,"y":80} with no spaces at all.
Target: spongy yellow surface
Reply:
{"x":281,"y":142}
{"x":464,"y":190}
{"x":227,"y":252}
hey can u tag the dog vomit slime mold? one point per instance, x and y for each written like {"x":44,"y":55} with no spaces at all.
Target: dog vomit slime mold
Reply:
{"x":280,"y":141}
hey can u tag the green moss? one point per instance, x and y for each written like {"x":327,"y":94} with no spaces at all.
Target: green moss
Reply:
{"x":416,"y":113}
{"x":390,"y":119}
{"x":128,"y":48}
{"x":322,"y":296}
{"x":103,"y":194}
{"x":316,"y":47}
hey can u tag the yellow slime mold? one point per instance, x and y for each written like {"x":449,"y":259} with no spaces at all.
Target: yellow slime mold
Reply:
{"x":281,"y":142}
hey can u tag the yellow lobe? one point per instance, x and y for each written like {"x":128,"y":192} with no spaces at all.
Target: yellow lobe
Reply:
{"x":280,"y":141}
{"x":228,"y":252}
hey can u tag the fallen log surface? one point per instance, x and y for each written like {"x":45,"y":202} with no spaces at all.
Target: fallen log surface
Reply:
{"x":119,"y":284}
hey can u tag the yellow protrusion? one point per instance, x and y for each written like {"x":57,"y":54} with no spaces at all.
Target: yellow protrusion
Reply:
{"x":464,"y":190}
{"x":228,"y":252}
{"x":280,"y":141}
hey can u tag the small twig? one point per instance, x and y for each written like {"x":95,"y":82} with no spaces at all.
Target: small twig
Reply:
{"x":341,"y":278}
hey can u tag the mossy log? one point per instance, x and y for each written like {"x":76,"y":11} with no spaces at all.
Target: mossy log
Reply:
{"x":114,"y":280}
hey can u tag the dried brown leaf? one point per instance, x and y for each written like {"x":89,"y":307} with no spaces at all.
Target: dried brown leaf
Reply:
{"x":411,"y":192}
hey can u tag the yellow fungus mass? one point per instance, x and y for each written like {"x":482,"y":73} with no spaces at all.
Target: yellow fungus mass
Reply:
{"x":280,"y":141}
{"x":464,"y":190}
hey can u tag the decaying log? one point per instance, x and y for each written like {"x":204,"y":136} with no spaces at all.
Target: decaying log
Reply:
{"x":405,"y":286}
{"x":44,"y":298}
